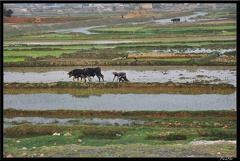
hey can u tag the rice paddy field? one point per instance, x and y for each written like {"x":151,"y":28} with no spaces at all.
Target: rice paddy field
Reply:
{"x":180,"y":101}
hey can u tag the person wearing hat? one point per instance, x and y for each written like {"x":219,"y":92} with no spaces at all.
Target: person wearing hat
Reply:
{"x":121,"y":76}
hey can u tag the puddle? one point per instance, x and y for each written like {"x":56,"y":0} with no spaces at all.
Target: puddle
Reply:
{"x":79,"y":29}
{"x":42,"y":120}
{"x":208,"y":75}
{"x":122,"y":102}
{"x":194,"y":51}
{"x":190,"y":18}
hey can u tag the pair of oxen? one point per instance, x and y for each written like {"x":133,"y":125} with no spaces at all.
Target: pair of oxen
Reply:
{"x":86,"y":73}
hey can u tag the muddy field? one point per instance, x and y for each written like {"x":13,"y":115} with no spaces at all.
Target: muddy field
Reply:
{"x":180,"y":74}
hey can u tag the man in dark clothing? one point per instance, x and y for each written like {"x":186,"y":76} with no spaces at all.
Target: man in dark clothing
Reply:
{"x":121,"y":76}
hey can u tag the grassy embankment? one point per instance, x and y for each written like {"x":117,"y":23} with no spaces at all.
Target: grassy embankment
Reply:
{"x":92,"y":88}
{"x":160,"y":129}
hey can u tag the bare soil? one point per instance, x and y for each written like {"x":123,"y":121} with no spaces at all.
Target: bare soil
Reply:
{"x":201,"y":149}
{"x":27,"y":20}
{"x":9,"y":113}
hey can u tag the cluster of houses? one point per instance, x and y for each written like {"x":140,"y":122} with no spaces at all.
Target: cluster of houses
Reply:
{"x":61,"y":8}
{"x":75,"y":8}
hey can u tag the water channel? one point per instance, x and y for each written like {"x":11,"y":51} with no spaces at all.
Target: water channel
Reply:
{"x":122,"y":102}
{"x":190,"y":18}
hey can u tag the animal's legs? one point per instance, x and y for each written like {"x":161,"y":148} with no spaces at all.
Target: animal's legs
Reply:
{"x":102,"y":77}
{"x":89,"y":78}
{"x":99,"y":77}
{"x":82,"y":76}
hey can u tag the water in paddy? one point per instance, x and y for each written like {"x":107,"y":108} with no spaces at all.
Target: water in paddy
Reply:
{"x":128,"y":102}
{"x":190,"y":18}
{"x":125,"y":102}
{"x":71,"y":121}
{"x":79,"y":29}
{"x":209,"y":75}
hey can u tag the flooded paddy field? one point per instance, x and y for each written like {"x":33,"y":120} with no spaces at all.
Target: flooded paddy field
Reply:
{"x":118,"y":102}
{"x":161,"y":74}
{"x":70,"y":121}
{"x":121,"y":102}
{"x":74,"y":98}
{"x":117,"y":99}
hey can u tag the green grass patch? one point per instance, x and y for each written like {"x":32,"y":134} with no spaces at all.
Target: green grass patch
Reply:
{"x":172,"y":30}
{"x":53,"y":47}
{"x":104,"y":88}
{"x":218,"y":133}
{"x":167,"y":136}
{"x":50,"y":36}
{"x":102,"y":135}
{"x":203,"y":60}
{"x":118,"y":29}
{"x":6,"y":59}
{"x":55,"y":53}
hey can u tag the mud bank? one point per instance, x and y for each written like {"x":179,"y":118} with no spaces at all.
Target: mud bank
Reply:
{"x":11,"y":113}
{"x":93,"y":88}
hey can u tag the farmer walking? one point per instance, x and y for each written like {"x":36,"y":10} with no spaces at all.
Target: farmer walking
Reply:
{"x":121,"y":76}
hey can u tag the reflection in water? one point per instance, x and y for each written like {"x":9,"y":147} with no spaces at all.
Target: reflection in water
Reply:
{"x":195,"y":51}
{"x":123,"y":102}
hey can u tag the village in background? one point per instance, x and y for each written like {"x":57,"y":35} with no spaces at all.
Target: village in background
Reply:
{"x":71,"y":9}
